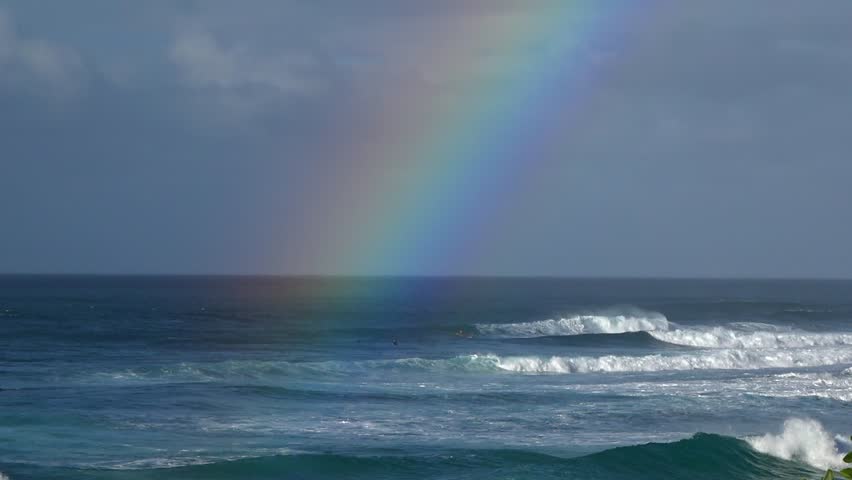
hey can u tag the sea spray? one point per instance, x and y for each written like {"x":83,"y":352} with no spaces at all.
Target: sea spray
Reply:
{"x":805,"y":440}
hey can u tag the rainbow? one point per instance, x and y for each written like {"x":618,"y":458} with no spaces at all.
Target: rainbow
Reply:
{"x":429,"y":171}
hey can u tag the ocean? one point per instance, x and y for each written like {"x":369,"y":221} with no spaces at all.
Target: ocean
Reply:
{"x":422,"y":378}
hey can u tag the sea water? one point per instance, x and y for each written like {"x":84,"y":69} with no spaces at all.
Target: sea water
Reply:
{"x":314,"y":378}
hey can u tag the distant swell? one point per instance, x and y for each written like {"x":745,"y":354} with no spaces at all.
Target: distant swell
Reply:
{"x":578,"y":325}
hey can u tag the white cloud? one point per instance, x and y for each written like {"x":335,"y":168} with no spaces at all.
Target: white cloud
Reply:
{"x":203,"y":61}
{"x":240,"y":79}
{"x":35,"y":64}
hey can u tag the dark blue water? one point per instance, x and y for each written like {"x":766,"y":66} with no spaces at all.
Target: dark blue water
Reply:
{"x":196,"y":377}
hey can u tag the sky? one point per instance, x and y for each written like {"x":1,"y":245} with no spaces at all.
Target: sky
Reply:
{"x":674,"y":139}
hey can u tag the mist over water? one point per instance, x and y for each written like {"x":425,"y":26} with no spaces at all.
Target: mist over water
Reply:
{"x":167,"y":377}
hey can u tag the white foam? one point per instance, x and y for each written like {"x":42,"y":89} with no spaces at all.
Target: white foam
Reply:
{"x":3,"y":476}
{"x":731,"y":359}
{"x":799,"y":385}
{"x":578,"y":325}
{"x":186,"y":458}
{"x":788,"y":385}
{"x":721,"y":337}
{"x":805,"y":440}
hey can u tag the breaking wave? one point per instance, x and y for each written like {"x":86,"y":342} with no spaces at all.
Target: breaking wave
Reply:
{"x":251,"y":372}
{"x":738,"y":335}
{"x":700,"y":456}
{"x":638,"y":321}
{"x":715,"y":360}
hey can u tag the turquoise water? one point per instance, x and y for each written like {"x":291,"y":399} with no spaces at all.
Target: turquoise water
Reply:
{"x":303,"y":378}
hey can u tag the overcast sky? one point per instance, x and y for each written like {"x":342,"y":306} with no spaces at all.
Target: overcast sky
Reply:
{"x":713,"y":138}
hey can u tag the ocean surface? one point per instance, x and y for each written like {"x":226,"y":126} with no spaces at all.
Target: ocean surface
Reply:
{"x":405,"y":378}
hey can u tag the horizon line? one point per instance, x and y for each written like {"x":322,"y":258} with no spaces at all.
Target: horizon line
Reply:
{"x":379,"y":276}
